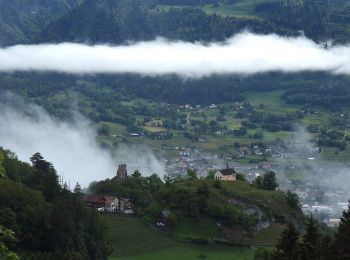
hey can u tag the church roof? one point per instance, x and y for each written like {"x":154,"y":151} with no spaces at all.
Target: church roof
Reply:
{"x":228,"y":171}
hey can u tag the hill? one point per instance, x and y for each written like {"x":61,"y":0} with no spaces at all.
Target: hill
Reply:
{"x":134,"y":239}
{"x":118,"y":21}
{"x":20,"y":20}
{"x":45,"y":219}
{"x":206,"y":211}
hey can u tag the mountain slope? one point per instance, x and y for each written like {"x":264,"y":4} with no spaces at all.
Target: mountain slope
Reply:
{"x":120,"y":21}
{"x":19,"y":19}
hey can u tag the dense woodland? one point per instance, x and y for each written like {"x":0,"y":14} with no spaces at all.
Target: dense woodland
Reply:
{"x":310,"y":244}
{"x":42,"y":218}
{"x":119,"y":20}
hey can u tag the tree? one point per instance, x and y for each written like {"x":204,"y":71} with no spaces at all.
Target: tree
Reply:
{"x":269,"y":181}
{"x":288,"y":246}
{"x":258,"y":182}
{"x":266,"y":182}
{"x":262,"y":254}
{"x":45,"y":177}
{"x":342,"y":236}
{"x":240,"y":177}
{"x":211,"y":174}
{"x":293,"y":200}
{"x":2,"y":168}
{"x":136,"y":174}
{"x":104,"y":130}
{"x":259,"y":134}
{"x":327,"y":248}
{"x":46,"y":227}
{"x":311,"y":240}
{"x":5,"y":253}
{"x":77,"y":188}
{"x":192,"y":174}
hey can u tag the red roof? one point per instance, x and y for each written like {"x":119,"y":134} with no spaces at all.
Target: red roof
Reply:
{"x":98,"y":199}
{"x":109,"y":199}
{"x":93,"y":198}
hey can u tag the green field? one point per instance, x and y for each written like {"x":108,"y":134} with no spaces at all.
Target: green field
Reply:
{"x":204,"y":228}
{"x":271,"y":102}
{"x":193,"y":252}
{"x":133,"y":239}
{"x":130,"y":236}
{"x":240,"y":9}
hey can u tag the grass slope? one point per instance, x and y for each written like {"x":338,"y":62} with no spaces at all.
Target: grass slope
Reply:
{"x":132,"y":239}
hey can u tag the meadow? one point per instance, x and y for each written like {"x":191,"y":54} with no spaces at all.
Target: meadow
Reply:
{"x":131,"y":239}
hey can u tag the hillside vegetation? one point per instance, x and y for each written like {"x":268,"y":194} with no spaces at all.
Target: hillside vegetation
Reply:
{"x":196,"y":204}
{"x":46,"y":220}
{"x":20,"y":20}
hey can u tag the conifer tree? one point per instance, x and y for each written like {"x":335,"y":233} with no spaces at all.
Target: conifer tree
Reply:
{"x":342,"y":237}
{"x":77,"y":188}
{"x":311,"y":239}
{"x":288,"y":248}
{"x":326,"y":248}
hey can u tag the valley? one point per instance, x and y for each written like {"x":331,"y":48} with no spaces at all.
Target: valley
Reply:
{"x":174,"y":129}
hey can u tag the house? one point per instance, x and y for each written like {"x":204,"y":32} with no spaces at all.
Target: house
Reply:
{"x":111,"y":203}
{"x":228,"y":174}
{"x":94,"y":201}
{"x":102,"y":203}
{"x":126,"y":206}
{"x":333,"y":222}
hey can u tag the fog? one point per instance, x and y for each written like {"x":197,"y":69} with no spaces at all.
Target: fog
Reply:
{"x":70,"y":145}
{"x":244,"y":53}
{"x":312,"y":170}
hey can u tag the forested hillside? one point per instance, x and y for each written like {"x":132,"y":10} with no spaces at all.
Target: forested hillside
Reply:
{"x":19,"y":20}
{"x":117,"y":21}
{"x":47,"y":220}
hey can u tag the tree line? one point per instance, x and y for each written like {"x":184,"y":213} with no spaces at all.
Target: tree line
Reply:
{"x":42,"y":219}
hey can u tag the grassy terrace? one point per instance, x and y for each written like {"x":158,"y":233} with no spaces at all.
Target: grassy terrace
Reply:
{"x":241,"y":9}
{"x":132,"y":239}
{"x":244,"y":9}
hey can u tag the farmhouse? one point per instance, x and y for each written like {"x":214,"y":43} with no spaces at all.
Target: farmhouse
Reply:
{"x":102,"y":203}
{"x":228,"y":174}
{"x":126,"y":206}
{"x":111,"y":203}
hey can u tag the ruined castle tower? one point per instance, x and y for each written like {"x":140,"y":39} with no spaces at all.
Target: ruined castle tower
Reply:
{"x":122,"y":173}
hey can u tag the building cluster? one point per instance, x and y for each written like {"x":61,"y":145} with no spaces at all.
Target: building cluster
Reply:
{"x":321,"y":198}
{"x":111,"y":204}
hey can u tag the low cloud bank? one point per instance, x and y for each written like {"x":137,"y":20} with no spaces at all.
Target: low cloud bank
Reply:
{"x":70,"y":146}
{"x":244,"y":53}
